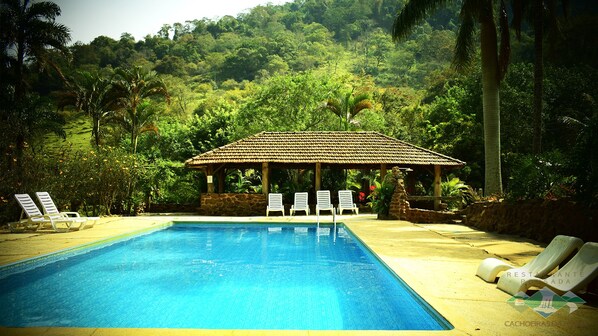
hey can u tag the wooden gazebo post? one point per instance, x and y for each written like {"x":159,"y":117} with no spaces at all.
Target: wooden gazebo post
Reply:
{"x":318,"y":175}
{"x":210,"y":178}
{"x":265,"y":177}
{"x":221,"y":179}
{"x":437,"y":190}
{"x":382,"y":172}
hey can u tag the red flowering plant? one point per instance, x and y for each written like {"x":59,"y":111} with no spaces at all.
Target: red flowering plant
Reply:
{"x":381,"y":196}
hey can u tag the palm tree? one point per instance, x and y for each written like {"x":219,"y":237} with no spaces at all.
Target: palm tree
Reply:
{"x":494,"y":64}
{"x":27,"y":31}
{"x":89,"y":93}
{"x":33,"y":117}
{"x":347,"y":106}
{"x":133,"y":89}
{"x":538,"y":9}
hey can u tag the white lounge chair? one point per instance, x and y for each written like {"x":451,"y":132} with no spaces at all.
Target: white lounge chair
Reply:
{"x":35,"y":219}
{"x":50,"y":208}
{"x":345,"y":202}
{"x":555,"y":253}
{"x":300,"y":203}
{"x":573,"y":277}
{"x":323,"y":202}
{"x":274,"y":203}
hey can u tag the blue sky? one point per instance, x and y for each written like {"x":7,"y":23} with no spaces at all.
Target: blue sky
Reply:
{"x":88,"y":19}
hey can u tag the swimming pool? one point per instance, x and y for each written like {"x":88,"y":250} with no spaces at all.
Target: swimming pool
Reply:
{"x":243,"y":276}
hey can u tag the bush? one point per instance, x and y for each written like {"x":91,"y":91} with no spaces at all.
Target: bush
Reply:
{"x":28,"y":175}
{"x":169,"y":182}
{"x":538,"y":177}
{"x":455,"y":187}
{"x":381,"y":197}
{"x":101,"y":181}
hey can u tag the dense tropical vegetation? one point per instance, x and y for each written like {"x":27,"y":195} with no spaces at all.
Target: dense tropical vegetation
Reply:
{"x":106,"y":126}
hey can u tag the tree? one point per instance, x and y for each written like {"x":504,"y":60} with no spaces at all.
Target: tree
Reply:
{"x":347,"y":106}
{"x":89,"y":93}
{"x":287,"y":103}
{"x":27,"y":31}
{"x":584,"y":160}
{"x":133,"y":89}
{"x":538,"y":9}
{"x":32,"y":118}
{"x":494,"y":64}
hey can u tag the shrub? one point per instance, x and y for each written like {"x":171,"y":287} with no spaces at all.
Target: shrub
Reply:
{"x":381,"y":197}
{"x":455,"y":187}
{"x":539,"y":177}
{"x":100,"y":181}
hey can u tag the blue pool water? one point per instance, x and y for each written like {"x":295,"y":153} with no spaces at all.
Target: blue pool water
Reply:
{"x":218,"y":277}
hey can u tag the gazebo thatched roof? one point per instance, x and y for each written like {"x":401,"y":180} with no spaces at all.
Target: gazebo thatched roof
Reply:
{"x":358,"y":149}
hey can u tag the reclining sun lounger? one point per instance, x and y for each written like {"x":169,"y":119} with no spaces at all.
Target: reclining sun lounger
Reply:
{"x":300,"y":203}
{"x":50,"y":208}
{"x":345,"y":202}
{"x":323,"y":202}
{"x":573,"y":277}
{"x":555,"y":253}
{"x":274,"y":203}
{"x":35,"y":219}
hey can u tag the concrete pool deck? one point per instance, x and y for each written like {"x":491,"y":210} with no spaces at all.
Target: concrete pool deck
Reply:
{"x":438,"y":261}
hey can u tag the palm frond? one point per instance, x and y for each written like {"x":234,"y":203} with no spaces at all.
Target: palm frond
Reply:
{"x":465,"y":44}
{"x":572,"y":123}
{"x":504,"y":54}
{"x":149,"y":128}
{"x":360,"y":106}
{"x":411,"y":15}
{"x":360,"y":97}
{"x":334,"y":106}
{"x":45,"y":9}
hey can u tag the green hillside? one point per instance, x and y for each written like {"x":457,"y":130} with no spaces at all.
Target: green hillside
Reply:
{"x":78,"y":136}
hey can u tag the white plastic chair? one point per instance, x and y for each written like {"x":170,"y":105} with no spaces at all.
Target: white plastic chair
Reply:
{"x":573,"y":277}
{"x":35,"y":219}
{"x":323,"y":202}
{"x":345,"y":202}
{"x":555,"y":253}
{"x":50,"y":208}
{"x":274,"y":203}
{"x":300,"y":203}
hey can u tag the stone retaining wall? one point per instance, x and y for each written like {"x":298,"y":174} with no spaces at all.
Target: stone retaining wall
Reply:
{"x":536,"y":219}
{"x":233,"y":205}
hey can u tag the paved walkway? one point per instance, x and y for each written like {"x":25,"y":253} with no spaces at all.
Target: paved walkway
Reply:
{"x":437,"y":260}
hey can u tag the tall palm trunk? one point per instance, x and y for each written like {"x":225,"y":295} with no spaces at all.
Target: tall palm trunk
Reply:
{"x":134,"y":129}
{"x":538,"y":76}
{"x":96,"y":131}
{"x":491,"y":103}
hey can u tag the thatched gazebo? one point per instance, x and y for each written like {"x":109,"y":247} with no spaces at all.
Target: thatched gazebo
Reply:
{"x":317,"y":150}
